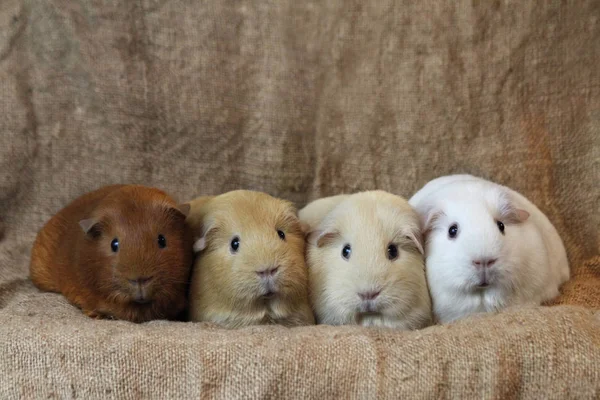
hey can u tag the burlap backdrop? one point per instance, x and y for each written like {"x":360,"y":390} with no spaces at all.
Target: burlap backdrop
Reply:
{"x":300,"y":99}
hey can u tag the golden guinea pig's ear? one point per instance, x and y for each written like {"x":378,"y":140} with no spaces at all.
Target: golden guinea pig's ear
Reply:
{"x":207,"y":227}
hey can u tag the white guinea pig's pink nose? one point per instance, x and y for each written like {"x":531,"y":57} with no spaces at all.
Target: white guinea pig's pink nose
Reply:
{"x":369,"y":295}
{"x":484,"y":262}
{"x":265,"y":273}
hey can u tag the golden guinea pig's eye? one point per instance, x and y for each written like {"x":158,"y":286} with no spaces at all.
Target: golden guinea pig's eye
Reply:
{"x":235,"y":244}
{"x":281,"y":234}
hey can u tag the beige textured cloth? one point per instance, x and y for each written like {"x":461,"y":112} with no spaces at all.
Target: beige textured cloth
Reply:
{"x":300,"y":99}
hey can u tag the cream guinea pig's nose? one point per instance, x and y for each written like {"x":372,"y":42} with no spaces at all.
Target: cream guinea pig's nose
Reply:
{"x":371,"y":295}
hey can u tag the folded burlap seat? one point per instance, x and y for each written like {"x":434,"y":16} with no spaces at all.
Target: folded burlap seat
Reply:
{"x":300,"y":99}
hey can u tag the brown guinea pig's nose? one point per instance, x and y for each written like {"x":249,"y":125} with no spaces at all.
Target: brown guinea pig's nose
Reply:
{"x":141,"y":281}
{"x":265,"y":273}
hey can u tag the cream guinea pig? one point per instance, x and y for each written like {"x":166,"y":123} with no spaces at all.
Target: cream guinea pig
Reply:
{"x":365,"y":261}
{"x":250,"y":265}
{"x":487,"y":247}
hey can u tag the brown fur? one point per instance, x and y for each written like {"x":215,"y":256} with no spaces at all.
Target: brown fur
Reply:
{"x":82,"y":266}
{"x":225,"y":287}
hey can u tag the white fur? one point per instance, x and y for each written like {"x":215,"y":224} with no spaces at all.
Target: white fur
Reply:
{"x":369,"y":222}
{"x":531,"y":259}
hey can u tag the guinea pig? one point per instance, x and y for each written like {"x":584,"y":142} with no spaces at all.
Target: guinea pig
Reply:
{"x":487,"y":247}
{"x":249,"y":267}
{"x":365,"y":261}
{"x":120,"y":252}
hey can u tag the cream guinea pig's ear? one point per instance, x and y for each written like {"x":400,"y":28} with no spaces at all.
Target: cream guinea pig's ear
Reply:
{"x":416,"y":239}
{"x":321,"y":237}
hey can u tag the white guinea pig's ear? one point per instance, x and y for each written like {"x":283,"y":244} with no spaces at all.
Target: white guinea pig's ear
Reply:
{"x":514,"y":216}
{"x":429,"y":218}
{"x":319,"y":238}
{"x":509,"y":213}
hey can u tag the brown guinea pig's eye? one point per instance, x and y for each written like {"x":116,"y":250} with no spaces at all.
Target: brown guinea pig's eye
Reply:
{"x":114,"y":245}
{"x":281,"y":234}
{"x":162,"y":241}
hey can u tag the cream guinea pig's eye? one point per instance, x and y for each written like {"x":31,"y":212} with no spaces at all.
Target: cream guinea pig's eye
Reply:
{"x":235,"y":244}
{"x":392,"y":252}
{"x":281,"y":234}
{"x":346,"y":251}
{"x":453,"y":231}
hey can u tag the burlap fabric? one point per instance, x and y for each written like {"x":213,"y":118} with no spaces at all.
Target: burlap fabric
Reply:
{"x":300,"y":99}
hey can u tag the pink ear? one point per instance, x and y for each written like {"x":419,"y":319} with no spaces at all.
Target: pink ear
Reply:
{"x":319,"y":238}
{"x":304,"y":227}
{"x":429,"y":219}
{"x":522,"y":215}
{"x":416,"y":241}
{"x":201,"y":243}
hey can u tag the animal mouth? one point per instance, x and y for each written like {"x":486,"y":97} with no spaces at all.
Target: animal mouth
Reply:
{"x":142,"y":301}
{"x":269,"y":294}
{"x":368,"y":307}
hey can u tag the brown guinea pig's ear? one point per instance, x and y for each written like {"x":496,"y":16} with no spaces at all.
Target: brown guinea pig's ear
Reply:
{"x":320,"y":238}
{"x":184,"y":209}
{"x":91,"y":226}
{"x":179,"y":212}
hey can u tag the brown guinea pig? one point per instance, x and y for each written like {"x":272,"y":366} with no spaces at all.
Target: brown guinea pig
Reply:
{"x":122,"y":251}
{"x":251,"y":268}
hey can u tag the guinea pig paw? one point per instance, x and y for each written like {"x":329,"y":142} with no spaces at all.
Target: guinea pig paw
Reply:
{"x":93,"y":314}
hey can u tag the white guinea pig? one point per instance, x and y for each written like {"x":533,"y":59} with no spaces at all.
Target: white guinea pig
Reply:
{"x":365,"y":261}
{"x":487,"y":247}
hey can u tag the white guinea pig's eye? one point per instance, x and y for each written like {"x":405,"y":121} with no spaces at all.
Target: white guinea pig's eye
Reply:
{"x":392,"y":252}
{"x":346,"y":251}
{"x":235,"y":244}
{"x":500,"y":226}
{"x":453,"y":231}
